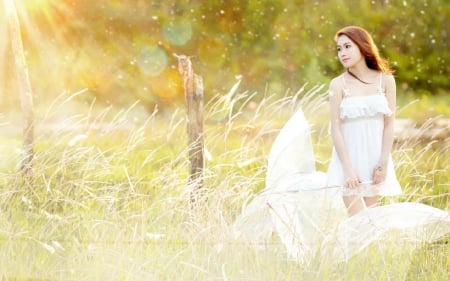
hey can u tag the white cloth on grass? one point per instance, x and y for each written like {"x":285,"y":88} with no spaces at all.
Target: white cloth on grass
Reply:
{"x":309,"y":216}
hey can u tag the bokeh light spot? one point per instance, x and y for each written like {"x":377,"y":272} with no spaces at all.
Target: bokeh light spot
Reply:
{"x":167,"y":86}
{"x":177,"y":32}
{"x":152,"y":60}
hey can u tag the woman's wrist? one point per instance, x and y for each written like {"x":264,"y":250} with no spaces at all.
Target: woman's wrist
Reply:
{"x":380,"y":167}
{"x":383,"y":163}
{"x":348,"y":171}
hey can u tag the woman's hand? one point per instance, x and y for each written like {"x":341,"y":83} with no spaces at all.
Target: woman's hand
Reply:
{"x":379,"y":174}
{"x":351,"y":180}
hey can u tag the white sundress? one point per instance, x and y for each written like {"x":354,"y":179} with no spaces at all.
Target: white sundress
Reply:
{"x":362,"y":129}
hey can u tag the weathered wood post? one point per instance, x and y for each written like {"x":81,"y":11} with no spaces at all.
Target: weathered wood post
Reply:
{"x":193,"y":91}
{"x":24,"y":86}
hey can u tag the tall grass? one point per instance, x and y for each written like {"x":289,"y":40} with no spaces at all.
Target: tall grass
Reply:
{"x":109,"y":199}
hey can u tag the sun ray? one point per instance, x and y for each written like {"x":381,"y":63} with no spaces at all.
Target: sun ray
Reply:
{"x":44,"y":19}
{"x":46,"y":32}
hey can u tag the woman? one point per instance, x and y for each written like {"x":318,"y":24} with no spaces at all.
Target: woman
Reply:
{"x":362,"y":113}
{"x":304,"y":206}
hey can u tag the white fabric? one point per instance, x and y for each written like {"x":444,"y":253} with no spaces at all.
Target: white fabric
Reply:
{"x":364,"y":106}
{"x":310,"y":218}
{"x":362,"y":130}
{"x":411,"y":222}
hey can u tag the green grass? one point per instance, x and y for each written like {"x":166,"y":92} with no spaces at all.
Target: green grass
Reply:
{"x":423,"y":106}
{"x":109,"y":199}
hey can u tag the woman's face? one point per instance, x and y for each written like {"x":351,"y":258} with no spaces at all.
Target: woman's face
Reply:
{"x":348,"y":52}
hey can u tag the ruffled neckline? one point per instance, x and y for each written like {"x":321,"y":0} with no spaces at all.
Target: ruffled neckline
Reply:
{"x":364,"y":106}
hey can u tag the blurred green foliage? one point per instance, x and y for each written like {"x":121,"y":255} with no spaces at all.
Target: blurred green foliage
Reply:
{"x":123,"y":50}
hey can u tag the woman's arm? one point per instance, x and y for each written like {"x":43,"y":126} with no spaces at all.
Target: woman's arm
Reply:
{"x":379,"y":174}
{"x":351,"y":179}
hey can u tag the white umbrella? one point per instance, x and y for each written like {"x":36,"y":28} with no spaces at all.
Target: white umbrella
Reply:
{"x":309,"y":217}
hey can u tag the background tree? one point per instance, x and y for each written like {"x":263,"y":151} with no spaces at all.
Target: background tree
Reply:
{"x":122,"y":50}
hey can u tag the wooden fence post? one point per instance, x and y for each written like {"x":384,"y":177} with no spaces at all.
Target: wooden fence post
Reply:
{"x":193,"y":91}
{"x":24,"y":86}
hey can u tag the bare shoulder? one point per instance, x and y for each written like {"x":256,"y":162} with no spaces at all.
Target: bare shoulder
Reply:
{"x":336,"y":86}
{"x":389,"y":80}
{"x":390,"y":89}
{"x":337,"y":81}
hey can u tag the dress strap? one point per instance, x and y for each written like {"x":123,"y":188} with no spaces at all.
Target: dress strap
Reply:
{"x":381,"y":90}
{"x":344,"y":89}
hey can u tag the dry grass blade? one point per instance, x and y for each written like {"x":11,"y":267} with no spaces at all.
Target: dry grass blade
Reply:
{"x":111,"y":195}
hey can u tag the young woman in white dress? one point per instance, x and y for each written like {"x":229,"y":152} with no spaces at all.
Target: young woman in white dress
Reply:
{"x":304,"y":207}
{"x":362,"y":113}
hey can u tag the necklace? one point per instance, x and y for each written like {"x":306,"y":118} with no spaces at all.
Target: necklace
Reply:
{"x":356,"y":77}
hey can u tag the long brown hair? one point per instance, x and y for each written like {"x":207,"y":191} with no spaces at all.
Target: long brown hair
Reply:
{"x":367,"y":47}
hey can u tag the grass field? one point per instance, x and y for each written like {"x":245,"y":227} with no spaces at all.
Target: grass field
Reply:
{"x":109,"y":199}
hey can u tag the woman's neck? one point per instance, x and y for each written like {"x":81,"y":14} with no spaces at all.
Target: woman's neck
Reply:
{"x":361,"y":73}
{"x":361,"y":70}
